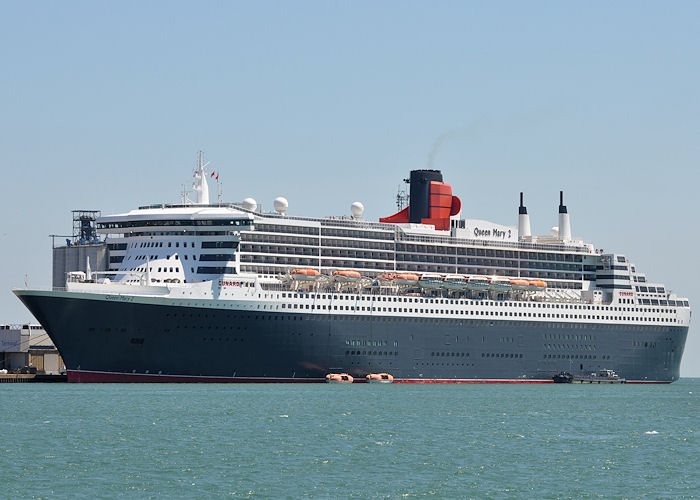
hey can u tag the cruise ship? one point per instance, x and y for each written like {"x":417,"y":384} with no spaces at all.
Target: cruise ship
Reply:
{"x":227,"y":292}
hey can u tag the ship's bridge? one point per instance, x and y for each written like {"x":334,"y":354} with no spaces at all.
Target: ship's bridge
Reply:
{"x":175,"y":243}
{"x":174,"y":217}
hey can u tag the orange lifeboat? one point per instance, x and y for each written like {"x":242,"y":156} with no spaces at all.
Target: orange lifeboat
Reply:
{"x":387,"y":277}
{"x":406,"y":279}
{"x":346,"y":276}
{"x":537,"y":284}
{"x":519,"y":284}
{"x":380,"y":378}
{"x":305,"y":274}
{"x":339,"y":378}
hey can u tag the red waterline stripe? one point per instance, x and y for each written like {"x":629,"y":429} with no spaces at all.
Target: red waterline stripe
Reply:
{"x":111,"y":377}
{"x":470,"y":381}
{"x":649,"y":381}
{"x":106,"y":377}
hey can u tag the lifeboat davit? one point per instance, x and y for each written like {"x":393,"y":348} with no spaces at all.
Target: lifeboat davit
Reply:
{"x":430,"y":281}
{"x":306,"y":274}
{"x":537,"y":284}
{"x":519,"y":284}
{"x":380,"y":378}
{"x":499,"y":283}
{"x":455,"y":282}
{"x":405,"y":279}
{"x":339,"y":378}
{"x":347,"y":276}
{"x":477,"y":283}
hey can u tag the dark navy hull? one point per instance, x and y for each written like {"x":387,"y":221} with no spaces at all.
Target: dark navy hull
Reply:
{"x":128,"y":341}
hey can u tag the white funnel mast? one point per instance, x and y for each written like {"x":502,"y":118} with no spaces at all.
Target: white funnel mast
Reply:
{"x":564,"y":222}
{"x":200,"y":183}
{"x":523,"y":220}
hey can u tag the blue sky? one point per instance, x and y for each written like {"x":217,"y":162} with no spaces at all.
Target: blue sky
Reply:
{"x":105,"y":104}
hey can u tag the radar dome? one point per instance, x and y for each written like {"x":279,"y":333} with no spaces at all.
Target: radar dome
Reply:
{"x":250,"y":204}
{"x":357,"y":209}
{"x":281,"y":204}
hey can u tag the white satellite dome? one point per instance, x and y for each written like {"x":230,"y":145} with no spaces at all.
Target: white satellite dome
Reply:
{"x":357,"y":209}
{"x":554,"y":232}
{"x":250,"y":204}
{"x":281,"y":204}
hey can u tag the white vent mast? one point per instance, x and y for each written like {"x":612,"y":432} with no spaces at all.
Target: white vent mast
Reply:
{"x":523,"y":220}
{"x":564,"y":221}
{"x":200,"y":183}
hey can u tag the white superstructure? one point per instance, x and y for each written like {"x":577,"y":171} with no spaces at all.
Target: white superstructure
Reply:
{"x":196,"y":242}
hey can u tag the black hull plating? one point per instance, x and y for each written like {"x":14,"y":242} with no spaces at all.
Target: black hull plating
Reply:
{"x":124,"y":337}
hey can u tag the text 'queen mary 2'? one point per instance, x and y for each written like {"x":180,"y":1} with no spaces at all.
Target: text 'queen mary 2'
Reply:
{"x":216,"y":292}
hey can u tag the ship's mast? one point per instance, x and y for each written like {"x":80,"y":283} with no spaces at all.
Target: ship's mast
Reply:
{"x":402,"y":197}
{"x":200,"y":183}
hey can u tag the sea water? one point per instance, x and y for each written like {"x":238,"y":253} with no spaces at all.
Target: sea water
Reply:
{"x":349,"y":441}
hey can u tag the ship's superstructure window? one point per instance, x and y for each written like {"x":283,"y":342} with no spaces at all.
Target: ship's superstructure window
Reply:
{"x":219,"y":244}
{"x":128,"y":224}
{"x":216,"y":270}
{"x":217,"y":257}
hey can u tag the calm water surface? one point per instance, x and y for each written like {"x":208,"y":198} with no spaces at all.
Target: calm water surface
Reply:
{"x":357,"y":441}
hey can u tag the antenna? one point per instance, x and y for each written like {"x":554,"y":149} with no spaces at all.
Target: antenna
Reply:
{"x":402,"y":197}
{"x":202,"y":165}
{"x":185,"y":195}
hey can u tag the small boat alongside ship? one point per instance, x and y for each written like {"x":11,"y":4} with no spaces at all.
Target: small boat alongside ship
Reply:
{"x":600,"y":377}
{"x":379,"y":378}
{"x":339,"y":378}
{"x":563,"y":378}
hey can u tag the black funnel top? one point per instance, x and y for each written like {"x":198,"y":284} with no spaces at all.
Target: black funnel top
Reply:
{"x":562,"y":207}
{"x":419,"y":207}
{"x":522,"y":209}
